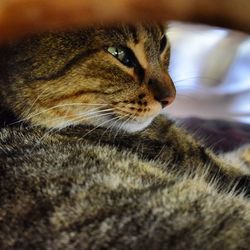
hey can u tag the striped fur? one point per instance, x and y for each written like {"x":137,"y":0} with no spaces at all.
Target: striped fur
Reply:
{"x":107,"y":186}
{"x":51,"y":74}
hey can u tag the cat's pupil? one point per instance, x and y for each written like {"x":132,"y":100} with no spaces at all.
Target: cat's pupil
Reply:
{"x":163,"y":43}
{"x":124,"y":55}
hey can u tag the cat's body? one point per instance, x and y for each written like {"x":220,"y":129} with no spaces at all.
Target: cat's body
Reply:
{"x":102,"y":184}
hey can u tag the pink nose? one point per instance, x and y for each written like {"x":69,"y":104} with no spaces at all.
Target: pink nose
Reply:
{"x":163,"y":91}
{"x":166,"y":101}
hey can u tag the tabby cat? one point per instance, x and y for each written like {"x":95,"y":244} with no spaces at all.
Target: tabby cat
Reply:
{"x":88,"y":162}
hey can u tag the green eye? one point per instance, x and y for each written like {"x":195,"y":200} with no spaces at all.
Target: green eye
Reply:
{"x":124,"y":55}
{"x":117,"y":52}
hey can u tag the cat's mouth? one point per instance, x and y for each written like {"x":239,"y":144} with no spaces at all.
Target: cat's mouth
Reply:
{"x":129,"y":124}
{"x":131,"y":121}
{"x":137,"y":112}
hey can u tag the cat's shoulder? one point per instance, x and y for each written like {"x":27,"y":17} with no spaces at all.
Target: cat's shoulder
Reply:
{"x":239,"y":158}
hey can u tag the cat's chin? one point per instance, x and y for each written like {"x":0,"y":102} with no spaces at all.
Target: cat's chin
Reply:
{"x":134,"y":126}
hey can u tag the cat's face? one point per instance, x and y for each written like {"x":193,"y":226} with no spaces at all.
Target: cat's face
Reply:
{"x":112,"y":77}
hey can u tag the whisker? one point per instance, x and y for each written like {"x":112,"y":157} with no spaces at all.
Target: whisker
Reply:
{"x":100,"y":125}
{"x":102,"y":110}
{"x":112,"y":126}
{"x":54,"y":107}
{"x":38,"y":97}
{"x":181,"y":96}
{"x":197,"y":78}
{"x":43,"y":137}
{"x":80,"y":115}
{"x":56,"y":129}
{"x":82,"y":118}
{"x":121,"y":126}
{"x":131,"y":118}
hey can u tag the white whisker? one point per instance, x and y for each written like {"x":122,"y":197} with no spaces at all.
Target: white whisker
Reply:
{"x":114,"y":124}
{"x":122,"y":125}
{"x":54,"y":107}
{"x":82,"y":118}
{"x":108,"y":128}
{"x":99,"y":111}
{"x":79,"y":115}
{"x":100,"y":125}
{"x":40,"y":140}
{"x":131,"y":118}
{"x":74,"y":120}
{"x":38,"y":97}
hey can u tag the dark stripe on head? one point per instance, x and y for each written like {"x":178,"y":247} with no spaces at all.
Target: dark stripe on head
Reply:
{"x":153,"y":31}
{"x":133,"y":31}
{"x":84,"y":55}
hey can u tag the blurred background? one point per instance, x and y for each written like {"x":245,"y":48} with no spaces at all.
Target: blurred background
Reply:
{"x":211,"y":71}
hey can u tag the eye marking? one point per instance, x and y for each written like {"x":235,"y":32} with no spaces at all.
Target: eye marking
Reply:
{"x":124,"y":55}
{"x":163,"y":43}
{"x":127,"y":57}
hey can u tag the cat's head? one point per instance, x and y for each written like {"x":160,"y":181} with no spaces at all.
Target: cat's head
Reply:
{"x":112,"y":77}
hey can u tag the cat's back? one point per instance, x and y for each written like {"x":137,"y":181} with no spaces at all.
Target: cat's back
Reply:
{"x":89,"y":195}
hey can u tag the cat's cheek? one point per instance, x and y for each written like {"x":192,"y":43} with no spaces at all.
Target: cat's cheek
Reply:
{"x":153,"y":110}
{"x":144,"y":120}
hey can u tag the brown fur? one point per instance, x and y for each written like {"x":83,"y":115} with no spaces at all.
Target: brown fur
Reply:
{"x":108,"y":186}
{"x":59,"y":71}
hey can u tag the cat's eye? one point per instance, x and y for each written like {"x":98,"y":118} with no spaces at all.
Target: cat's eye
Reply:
{"x":124,"y":55}
{"x":163,"y":43}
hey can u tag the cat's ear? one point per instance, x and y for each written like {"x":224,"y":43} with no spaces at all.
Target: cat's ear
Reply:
{"x":163,"y":27}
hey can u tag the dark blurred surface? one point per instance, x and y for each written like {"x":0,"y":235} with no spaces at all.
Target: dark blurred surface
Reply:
{"x":222,"y":136}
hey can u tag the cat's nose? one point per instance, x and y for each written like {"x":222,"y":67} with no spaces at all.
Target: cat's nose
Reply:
{"x":163,"y":92}
{"x":165,"y":101}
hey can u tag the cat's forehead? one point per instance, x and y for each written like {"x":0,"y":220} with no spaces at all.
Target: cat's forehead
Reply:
{"x":140,"y":33}
{"x":48,"y":53}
